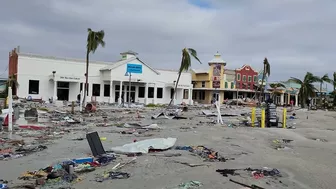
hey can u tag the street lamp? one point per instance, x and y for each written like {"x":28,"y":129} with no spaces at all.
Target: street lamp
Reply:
{"x":129,"y":89}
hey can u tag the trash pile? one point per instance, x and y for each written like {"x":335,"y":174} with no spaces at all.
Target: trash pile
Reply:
{"x":12,"y":149}
{"x":66,"y":171}
{"x":206,"y":153}
{"x":255,"y":173}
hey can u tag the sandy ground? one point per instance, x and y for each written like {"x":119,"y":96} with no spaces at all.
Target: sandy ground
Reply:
{"x":304,"y":163}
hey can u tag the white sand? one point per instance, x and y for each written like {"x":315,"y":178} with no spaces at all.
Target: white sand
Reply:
{"x":307,"y":164}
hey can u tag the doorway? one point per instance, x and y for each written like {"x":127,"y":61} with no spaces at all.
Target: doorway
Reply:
{"x":215,"y":96}
{"x":63,"y":90}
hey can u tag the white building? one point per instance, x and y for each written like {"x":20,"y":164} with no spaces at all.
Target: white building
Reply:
{"x":62,"y":79}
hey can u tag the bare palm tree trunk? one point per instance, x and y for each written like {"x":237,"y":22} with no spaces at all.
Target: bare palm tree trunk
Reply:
{"x":262,"y":83}
{"x":321,"y":94}
{"x":86,"y":78}
{"x":178,"y":79}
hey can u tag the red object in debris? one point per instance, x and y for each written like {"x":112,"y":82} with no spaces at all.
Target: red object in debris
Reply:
{"x":33,"y":127}
{"x":5,"y":123}
{"x":90,"y":107}
{"x":135,"y":140}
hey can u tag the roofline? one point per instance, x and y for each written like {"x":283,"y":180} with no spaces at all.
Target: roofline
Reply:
{"x":245,"y":66}
{"x":31,"y":55}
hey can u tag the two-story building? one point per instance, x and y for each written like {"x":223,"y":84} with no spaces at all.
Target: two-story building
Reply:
{"x":209,"y":84}
{"x":246,"y":81}
{"x":61,"y":79}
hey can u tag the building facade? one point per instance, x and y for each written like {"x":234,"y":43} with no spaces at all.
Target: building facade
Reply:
{"x":284,"y":95}
{"x":45,"y":77}
{"x":246,"y":81}
{"x":209,"y":84}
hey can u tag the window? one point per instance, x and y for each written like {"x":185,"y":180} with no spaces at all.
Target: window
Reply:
{"x":202,"y":95}
{"x":249,"y":86}
{"x":132,"y":88}
{"x":171,"y":93}
{"x":238,"y":77}
{"x":255,"y":78}
{"x":159,"y":92}
{"x":244,"y":77}
{"x":232,"y":85}
{"x":185,"y":93}
{"x":117,"y":87}
{"x":226,"y":85}
{"x":150,"y":92}
{"x":95,"y":89}
{"x":34,"y":86}
{"x":106,"y":90}
{"x":203,"y":83}
{"x":194,"y":95}
{"x":249,"y":78}
{"x":141,"y":92}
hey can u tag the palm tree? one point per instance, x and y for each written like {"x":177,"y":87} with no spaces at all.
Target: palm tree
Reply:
{"x":324,"y":78}
{"x":185,"y":65}
{"x":267,"y":71}
{"x":94,"y":39}
{"x":275,"y":86}
{"x":307,"y":88}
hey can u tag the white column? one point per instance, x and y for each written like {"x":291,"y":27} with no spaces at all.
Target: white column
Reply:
{"x":10,"y":109}
{"x":146,"y":93}
{"x":288,"y":99}
{"x":111,"y":99}
{"x":282,"y":99}
{"x":175,"y":96}
{"x":55,"y":91}
{"x":155,"y":94}
{"x":120,"y":91}
{"x":190,"y":96}
{"x":136,"y":99}
{"x":296,"y":100}
{"x":101,"y":96}
{"x":125,"y":94}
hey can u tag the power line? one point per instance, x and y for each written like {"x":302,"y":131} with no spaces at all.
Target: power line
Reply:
{"x":4,"y":71}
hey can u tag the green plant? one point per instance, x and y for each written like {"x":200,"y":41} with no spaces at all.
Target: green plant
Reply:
{"x":307,"y":88}
{"x":185,"y":65}
{"x":94,"y":39}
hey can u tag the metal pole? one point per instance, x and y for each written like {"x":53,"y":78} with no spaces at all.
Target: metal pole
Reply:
{"x":129,"y":90}
{"x":237,"y":95}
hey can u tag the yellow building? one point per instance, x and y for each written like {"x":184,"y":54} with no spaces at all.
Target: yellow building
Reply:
{"x":210,"y":84}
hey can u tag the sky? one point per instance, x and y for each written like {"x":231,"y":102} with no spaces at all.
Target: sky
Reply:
{"x":296,"y":36}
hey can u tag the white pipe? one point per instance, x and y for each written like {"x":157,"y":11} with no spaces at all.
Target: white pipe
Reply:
{"x":10,"y":109}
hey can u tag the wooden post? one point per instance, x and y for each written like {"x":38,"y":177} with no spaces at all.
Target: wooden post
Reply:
{"x":73,"y":107}
{"x":253,"y":116}
{"x":263,"y":118}
{"x":284,"y":118}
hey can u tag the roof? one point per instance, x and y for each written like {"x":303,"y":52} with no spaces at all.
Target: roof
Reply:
{"x":245,"y":65}
{"x":31,"y":55}
{"x":200,"y":71}
{"x":129,"y":52}
{"x":217,"y":59}
{"x":229,"y":71}
{"x":121,"y":62}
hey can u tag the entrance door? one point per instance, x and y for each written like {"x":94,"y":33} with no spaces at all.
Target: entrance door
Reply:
{"x":132,"y":96}
{"x":215,"y":96}
{"x":62,"y":90}
{"x":116,"y":96}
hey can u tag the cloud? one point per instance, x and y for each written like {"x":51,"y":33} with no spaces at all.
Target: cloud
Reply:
{"x":295,"y":35}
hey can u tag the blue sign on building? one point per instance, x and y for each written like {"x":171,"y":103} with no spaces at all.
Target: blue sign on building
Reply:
{"x":134,"y":68}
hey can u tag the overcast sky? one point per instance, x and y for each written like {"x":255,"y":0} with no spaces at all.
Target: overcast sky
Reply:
{"x":295,"y":35}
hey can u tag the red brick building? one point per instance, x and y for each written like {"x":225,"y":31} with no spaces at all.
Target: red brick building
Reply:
{"x":246,"y":78}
